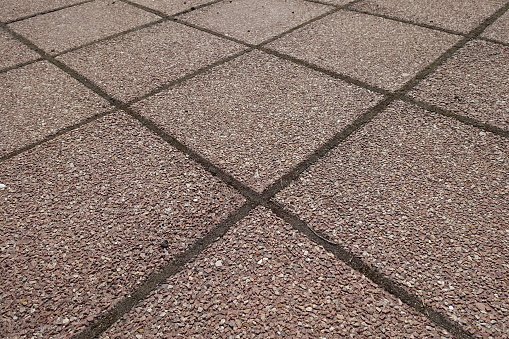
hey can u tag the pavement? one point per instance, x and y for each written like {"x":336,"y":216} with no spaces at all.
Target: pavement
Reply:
{"x":270,"y":168}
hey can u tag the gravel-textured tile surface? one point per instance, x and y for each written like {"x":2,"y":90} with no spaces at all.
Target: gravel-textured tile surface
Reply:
{"x":83,"y":218}
{"x":75,"y":26}
{"x":133,"y":64}
{"x":255,"y":21}
{"x":263,"y":279}
{"x":39,"y":99}
{"x":457,"y":15}
{"x":14,"y":9}
{"x":13,"y":51}
{"x":171,"y":7}
{"x":257,"y":116}
{"x":499,"y":30}
{"x":425,"y":199}
{"x":381,"y":52}
{"x":474,"y":83}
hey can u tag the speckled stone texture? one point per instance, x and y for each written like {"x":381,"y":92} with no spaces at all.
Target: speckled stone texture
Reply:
{"x":263,"y":279}
{"x":499,"y":30}
{"x":257,"y":116}
{"x":57,"y":31}
{"x":131,"y":65}
{"x":255,"y":21}
{"x":171,"y":7}
{"x":13,"y":51}
{"x":456,"y":15}
{"x":38,"y":100}
{"x":425,"y":199}
{"x":382,"y":52}
{"x":14,"y":9}
{"x":474,"y":83}
{"x":83,"y":217}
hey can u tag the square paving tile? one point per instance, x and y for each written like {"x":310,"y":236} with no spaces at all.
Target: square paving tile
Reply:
{"x":257,"y":116}
{"x":474,"y":82}
{"x":255,"y":21}
{"x":499,"y":30}
{"x":14,"y":9}
{"x":133,"y":64}
{"x":57,"y":31}
{"x":263,"y":279}
{"x":381,"y":52}
{"x":456,"y":15}
{"x":38,"y":100}
{"x":13,"y":51}
{"x":83,"y":217}
{"x":425,"y":199}
{"x":171,"y":7}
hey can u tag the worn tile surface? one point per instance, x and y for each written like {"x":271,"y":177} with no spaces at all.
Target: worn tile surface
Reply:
{"x":171,"y":7}
{"x":16,"y":9}
{"x":83,"y":217}
{"x":499,"y":30}
{"x":133,"y":64}
{"x":424,"y":199}
{"x":13,"y":51}
{"x":263,"y":279}
{"x":75,"y":26}
{"x":378,"y":51}
{"x":465,"y":84}
{"x":456,"y":15}
{"x":38,"y":100}
{"x":255,"y":21}
{"x":257,"y":116}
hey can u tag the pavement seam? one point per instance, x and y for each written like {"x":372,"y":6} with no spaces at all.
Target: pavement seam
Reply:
{"x":47,"y":11}
{"x":405,"y":21}
{"x":254,"y":199}
{"x":110,"y":37}
{"x":369,"y":271}
{"x":58,"y":133}
{"x":464,"y":119}
{"x":105,"y":319}
{"x":225,"y":177}
{"x":22,"y":64}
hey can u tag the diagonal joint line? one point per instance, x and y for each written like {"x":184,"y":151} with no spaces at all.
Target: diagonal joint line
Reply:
{"x":227,"y":178}
{"x":369,"y":271}
{"x":102,"y":322}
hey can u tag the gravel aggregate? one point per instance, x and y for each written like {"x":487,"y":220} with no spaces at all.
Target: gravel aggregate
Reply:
{"x":83,"y":219}
{"x":39,"y":99}
{"x":14,"y":9}
{"x":264,"y":279}
{"x":499,"y":30}
{"x":464,"y":84}
{"x":457,"y":15}
{"x":257,"y":116}
{"x":131,"y":65}
{"x":171,"y":7}
{"x":57,"y":31}
{"x":379,"y":51}
{"x":254,"y":21}
{"x":13,"y":51}
{"x":425,"y":199}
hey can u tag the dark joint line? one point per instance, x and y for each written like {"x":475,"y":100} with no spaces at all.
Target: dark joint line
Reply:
{"x":369,"y":271}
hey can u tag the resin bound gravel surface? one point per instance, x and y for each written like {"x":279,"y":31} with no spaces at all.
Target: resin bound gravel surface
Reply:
{"x":405,"y":199}
{"x":264,"y":279}
{"x":84,"y":217}
{"x":236,"y":169}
